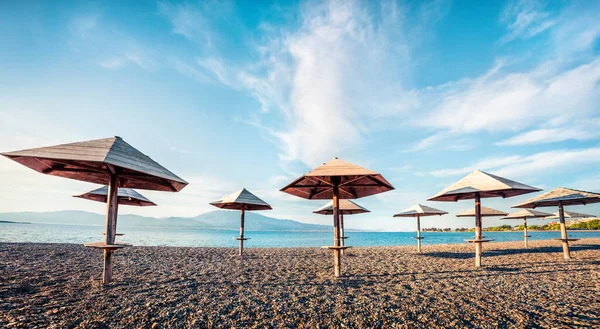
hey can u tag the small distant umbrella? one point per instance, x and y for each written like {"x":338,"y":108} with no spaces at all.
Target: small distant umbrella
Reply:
{"x":477,"y":185}
{"x":126,"y":196}
{"x":524,"y":214}
{"x":347,"y":207}
{"x":337,"y":180}
{"x":104,"y":161}
{"x":244,"y":201}
{"x":561,"y":197}
{"x":419,"y":211}
{"x":569,"y":214}
{"x":485,"y":212}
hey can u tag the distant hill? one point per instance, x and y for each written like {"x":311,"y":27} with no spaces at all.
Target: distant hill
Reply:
{"x":214,"y":220}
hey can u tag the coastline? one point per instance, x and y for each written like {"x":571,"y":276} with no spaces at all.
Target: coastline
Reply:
{"x":58,"y":285}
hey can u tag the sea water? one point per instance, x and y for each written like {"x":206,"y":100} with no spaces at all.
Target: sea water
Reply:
{"x":79,"y":234}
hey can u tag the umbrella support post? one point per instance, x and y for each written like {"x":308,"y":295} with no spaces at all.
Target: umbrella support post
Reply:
{"x":563,"y":232}
{"x":419,"y":234}
{"x":337,"y":261}
{"x":112,"y":205}
{"x":525,"y":231}
{"x":342,"y":233}
{"x":242,"y":234}
{"x":477,"y":231}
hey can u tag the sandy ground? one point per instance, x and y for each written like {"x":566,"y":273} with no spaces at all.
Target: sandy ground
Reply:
{"x":58,"y":286}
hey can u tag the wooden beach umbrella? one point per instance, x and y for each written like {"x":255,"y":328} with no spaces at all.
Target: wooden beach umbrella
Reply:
{"x":485,"y":212}
{"x":561,"y":197}
{"x":569,"y":214}
{"x":477,"y":185}
{"x":347,"y":207}
{"x":419,"y":211}
{"x":108,"y":161}
{"x":242,"y":200}
{"x":524,"y":214}
{"x":337,"y":180}
{"x":126,"y":196}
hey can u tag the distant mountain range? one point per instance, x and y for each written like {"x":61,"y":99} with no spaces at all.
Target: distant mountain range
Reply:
{"x":214,"y":220}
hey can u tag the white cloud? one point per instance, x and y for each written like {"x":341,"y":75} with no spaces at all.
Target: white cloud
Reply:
{"x":514,"y":101}
{"x":525,"y":19}
{"x":517,"y":166}
{"x":578,"y":130}
{"x":332,"y":76}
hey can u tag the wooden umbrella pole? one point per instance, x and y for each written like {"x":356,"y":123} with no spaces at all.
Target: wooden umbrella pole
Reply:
{"x":563,"y":231}
{"x":477,"y":230}
{"x":242,"y":233}
{"x":342,"y":233}
{"x":336,"y":232}
{"x":111,"y":223}
{"x":418,"y":234}
{"x":525,"y":231}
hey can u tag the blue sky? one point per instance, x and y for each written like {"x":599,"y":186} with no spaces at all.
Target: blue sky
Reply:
{"x":254,"y":94}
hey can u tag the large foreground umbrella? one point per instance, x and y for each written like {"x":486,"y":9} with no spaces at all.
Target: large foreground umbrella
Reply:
{"x":524,"y":214}
{"x":561,"y":197}
{"x":108,"y":161}
{"x":126,"y":196}
{"x":347,"y":207}
{"x":419,"y":211}
{"x":244,"y":201}
{"x":337,"y":180}
{"x":477,"y":185}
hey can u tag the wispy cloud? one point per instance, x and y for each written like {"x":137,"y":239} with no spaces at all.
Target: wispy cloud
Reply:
{"x":343,"y":67}
{"x":525,"y":19}
{"x":577,"y":130}
{"x":519,"y":166}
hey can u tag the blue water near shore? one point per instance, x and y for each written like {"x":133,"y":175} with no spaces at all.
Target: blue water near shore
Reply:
{"x":48,"y":233}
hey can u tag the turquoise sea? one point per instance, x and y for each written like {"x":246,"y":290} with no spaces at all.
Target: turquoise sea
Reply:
{"x":79,"y":234}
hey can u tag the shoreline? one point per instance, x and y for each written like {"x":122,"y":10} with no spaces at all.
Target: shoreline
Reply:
{"x":58,"y":285}
{"x":318,"y":247}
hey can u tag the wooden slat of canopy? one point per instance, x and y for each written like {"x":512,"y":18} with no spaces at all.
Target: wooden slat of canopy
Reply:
{"x":483,"y":184}
{"x":91,"y":161}
{"x":560,"y":195}
{"x":354,"y":182}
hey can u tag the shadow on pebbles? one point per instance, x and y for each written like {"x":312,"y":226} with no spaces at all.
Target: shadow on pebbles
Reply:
{"x":58,"y":286}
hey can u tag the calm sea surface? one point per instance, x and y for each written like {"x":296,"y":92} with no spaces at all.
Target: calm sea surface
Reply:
{"x":207,"y":238}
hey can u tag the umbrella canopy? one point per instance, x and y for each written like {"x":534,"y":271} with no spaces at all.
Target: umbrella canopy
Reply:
{"x":420,"y":210}
{"x":353,"y":181}
{"x":241,"y":199}
{"x":347,"y":207}
{"x":126,"y":196}
{"x":485,"y":212}
{"x":485,"y":185}
{"x":94,"y":161}
{"x":527,"y":213}
{"x":569,"y":214}
{"x":564,"y":196}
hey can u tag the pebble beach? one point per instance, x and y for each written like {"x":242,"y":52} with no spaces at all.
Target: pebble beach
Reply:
{"x":58,"y":286}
